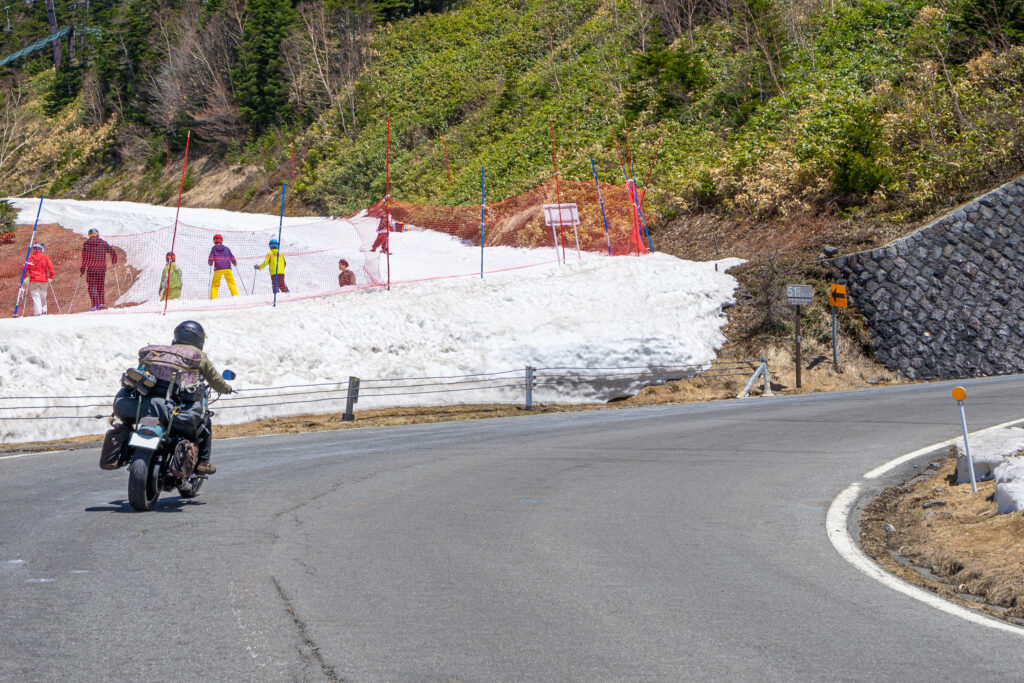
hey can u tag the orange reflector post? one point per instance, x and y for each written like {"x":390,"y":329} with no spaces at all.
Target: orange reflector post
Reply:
{"x":959,"y":393}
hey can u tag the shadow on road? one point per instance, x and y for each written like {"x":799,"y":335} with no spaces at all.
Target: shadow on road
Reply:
{"x":172,"y":504}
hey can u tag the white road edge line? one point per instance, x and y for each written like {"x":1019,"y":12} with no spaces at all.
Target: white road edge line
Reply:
{"x":25,"y":455}
{"x":836,"y":526}
{"x":892,"y":464}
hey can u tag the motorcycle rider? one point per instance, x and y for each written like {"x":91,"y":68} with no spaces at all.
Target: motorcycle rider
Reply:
{"x":191,"y":334}
{"x":181,"y":367}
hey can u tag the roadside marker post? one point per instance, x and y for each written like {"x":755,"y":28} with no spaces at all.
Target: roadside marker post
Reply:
{"x":959,"y":394}
{"x":351,"y":399}
{"x":797,"y":296}
{"x":836,"y":299}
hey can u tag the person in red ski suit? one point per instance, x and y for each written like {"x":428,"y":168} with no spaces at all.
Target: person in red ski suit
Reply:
{"x":94,"y":267}
{"x":382,"y":236}
{"x":40,"y":272}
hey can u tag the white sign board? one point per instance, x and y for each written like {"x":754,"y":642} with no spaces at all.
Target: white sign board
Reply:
{"x":799,"y":295}
{"x":561,"y":214}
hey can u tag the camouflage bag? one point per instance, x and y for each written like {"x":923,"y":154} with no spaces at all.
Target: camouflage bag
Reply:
{"x":178,"y":363}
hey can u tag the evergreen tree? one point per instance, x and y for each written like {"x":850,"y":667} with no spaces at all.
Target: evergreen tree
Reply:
{"x":124,"y":59}
{"x":261,"y":90}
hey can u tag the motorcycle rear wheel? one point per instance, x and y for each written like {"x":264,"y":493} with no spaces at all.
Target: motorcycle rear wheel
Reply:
{"x":142,"y":482}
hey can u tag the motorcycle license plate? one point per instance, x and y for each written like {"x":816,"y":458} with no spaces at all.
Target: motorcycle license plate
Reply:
{"x":139,"y":440}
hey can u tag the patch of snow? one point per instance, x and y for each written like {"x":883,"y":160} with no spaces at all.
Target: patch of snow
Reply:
{"x":652,"y":314}
{"x":988,"y":450}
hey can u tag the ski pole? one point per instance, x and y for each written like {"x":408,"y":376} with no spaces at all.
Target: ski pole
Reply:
{"x":71,"y":305}
{"x":56,"y":303}
{"x":254,"y":280}
{"x":241,"y":280}
{"x":117,"y":281}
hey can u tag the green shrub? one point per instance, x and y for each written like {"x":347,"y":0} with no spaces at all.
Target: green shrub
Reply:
{"x":8,"y":216}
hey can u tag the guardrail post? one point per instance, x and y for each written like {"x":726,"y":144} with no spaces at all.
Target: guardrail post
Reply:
{"x":762,"y":371}
{"x":353,"y":398}
{"x":529,"y":387}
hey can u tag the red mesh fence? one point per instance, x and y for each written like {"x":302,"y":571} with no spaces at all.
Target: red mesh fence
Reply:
{"x":126,"y":272}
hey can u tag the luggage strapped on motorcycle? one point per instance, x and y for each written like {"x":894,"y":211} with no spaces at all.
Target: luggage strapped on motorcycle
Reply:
{"x":175,"y":366}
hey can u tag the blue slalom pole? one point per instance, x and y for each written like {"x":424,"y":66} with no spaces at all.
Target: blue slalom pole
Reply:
{"x":280,"y":224}
{"x":607,"y":238}
{"x":28,"y":255}
{"x":483,"y":204}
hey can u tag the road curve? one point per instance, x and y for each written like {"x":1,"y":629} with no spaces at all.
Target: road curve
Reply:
{"x":663,"y":543}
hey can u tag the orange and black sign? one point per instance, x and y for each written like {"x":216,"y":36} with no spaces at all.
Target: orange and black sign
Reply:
{"x":837,"y":295}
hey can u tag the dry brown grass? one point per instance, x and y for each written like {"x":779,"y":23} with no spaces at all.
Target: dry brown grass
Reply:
{"x":957,"y":547}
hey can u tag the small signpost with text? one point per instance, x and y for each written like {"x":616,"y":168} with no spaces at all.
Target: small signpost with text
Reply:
{"x":797,"y":296}
{"x":558,"y":215}
{"x":836,"y":299}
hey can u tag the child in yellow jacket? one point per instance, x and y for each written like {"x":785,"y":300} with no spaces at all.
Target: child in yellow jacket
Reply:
{"x":275,"y":259}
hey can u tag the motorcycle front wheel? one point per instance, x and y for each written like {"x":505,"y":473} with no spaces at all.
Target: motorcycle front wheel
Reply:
{"x":142,"y":481}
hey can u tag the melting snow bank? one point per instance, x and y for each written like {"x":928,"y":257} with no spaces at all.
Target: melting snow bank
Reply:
{"x":996,"y":455}
{"x":652,"y":313}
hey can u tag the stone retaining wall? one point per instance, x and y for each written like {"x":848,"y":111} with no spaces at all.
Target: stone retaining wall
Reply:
{"x":947,"y":301}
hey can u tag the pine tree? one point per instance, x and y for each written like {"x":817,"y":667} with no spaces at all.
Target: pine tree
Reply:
{"x":261,"y":90}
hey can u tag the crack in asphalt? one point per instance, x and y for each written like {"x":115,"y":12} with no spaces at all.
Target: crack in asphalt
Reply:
{"x":300,"y":625}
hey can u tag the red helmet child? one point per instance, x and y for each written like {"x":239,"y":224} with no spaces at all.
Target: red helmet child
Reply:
{"x":218,"y":239}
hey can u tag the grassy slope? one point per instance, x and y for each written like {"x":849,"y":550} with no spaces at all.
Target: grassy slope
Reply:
{"x":739,"y":166}
{"x":491,"y":77}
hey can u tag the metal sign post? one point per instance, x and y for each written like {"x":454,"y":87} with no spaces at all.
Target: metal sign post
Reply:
{"x":797,"y":296}
{"x":959,"y":394}
{"x":560,"y":215}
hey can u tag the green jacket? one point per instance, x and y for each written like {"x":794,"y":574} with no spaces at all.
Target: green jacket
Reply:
{"x":175,"y":290}
{"x":213,"y":377}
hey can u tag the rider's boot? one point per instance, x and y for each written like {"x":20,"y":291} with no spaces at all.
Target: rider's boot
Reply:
{"x":203,"y":464}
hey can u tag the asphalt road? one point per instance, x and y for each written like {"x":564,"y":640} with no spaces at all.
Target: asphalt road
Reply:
{"x":665,"y":543}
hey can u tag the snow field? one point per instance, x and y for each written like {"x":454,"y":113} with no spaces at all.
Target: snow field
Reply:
{"x":653,"y":312}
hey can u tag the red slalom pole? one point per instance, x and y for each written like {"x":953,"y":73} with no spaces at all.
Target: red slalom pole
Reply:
{"x":174,"y":236}
{"x":617,"y":152}
{"x":629,"y":154}
{"x":650,"y":171}
{"x":558,"y":192}
{"x":387,"y":199}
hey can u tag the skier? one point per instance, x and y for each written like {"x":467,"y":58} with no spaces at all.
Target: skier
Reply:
{"x":275,"y":259}
{"x":94,"y":267}
{"x":382,"y":241}
{"x":221,"y":259}
{"x":40,"y":273}
{"x":346,"y":277}
{"x":174,"y":291}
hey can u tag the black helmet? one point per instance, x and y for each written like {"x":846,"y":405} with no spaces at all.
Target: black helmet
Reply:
{"x":190,"y":332}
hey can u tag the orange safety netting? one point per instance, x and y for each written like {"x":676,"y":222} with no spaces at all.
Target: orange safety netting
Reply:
{"x":129,"y":274}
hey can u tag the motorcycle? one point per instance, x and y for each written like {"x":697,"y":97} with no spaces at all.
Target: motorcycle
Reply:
{"x":160,"y":460}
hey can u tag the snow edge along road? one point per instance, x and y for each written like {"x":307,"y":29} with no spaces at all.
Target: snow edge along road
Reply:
{"x":837,"y":527}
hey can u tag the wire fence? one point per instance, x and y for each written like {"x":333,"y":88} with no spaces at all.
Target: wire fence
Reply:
{"x":502,"y":386}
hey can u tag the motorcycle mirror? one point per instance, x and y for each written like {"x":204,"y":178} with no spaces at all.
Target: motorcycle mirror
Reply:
{"x":228,"y":374}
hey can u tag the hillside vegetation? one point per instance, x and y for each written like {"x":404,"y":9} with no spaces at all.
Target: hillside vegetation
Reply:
{"x":852,"y":119}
